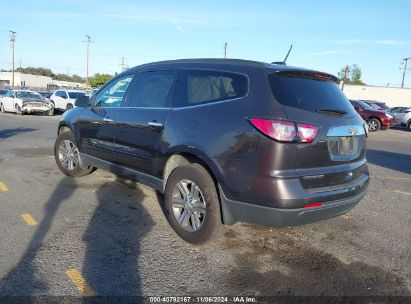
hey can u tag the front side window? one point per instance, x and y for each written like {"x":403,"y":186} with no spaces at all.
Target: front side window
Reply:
{"x":153,"y":90}
{"x":197,"y":87}
{"x":114,"y":93}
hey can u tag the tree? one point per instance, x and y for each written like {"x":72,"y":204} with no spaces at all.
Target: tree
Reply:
{"x":353,"y":75}
{"x":99,"y":79}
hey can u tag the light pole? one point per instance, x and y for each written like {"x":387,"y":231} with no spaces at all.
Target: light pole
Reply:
{"x":12,"y":42}
{"x":88,"y":41}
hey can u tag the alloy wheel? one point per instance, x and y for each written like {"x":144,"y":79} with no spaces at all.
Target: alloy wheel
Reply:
{"x":373,"y":125}
{"x":68,"y":155}
{"x":189,"y":206}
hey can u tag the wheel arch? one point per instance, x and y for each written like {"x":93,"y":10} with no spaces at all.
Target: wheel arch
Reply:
{"x":183,"y":157}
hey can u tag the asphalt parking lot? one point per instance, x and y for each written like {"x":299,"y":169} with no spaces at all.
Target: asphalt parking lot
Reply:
{"x":101,"y":235}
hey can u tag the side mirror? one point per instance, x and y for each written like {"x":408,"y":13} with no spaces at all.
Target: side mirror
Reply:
{"x":65,"y":97}
{"x":82,"y":102}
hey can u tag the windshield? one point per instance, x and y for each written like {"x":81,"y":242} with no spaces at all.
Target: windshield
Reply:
{"x":365,"y":105}
{"x":308,"y":93}
{"x":28,"y":95}
{"x":75,"y":95}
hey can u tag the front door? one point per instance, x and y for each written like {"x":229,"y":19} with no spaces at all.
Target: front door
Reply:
{"x":97,"y":126}
{"x":142,"y":122}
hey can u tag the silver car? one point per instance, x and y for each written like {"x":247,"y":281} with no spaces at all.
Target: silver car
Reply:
{"x":404,"y":115}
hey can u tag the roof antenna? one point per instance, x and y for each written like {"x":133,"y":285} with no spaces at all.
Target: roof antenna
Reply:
{"x":286,"y":57}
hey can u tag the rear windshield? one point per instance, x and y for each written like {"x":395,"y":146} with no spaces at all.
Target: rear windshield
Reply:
{"x":308,"y":93}
{"x":364,"y":105}
{"x":74,"y":95}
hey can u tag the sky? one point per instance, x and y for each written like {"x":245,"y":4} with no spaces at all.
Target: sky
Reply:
{"x":327,"y":35}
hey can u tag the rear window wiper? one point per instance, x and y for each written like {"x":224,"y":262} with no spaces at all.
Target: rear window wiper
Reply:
{"x":331,"y":111}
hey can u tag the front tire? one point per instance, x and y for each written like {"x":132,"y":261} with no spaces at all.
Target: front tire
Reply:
{"x":69,"y":106}
{"x":374,"y":125}
{"x":409,"y":126}
{"x":67,"y":156}
{"x":192,"y":204}
{"x":50,"y":112}
{"x":18,"y":110}
{"x":2,"y":108}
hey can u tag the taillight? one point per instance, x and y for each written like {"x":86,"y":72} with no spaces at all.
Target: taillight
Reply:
{"x":307,"y":133}
{"x":285,"y":131}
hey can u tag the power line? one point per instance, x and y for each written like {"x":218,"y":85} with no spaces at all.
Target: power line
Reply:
{"x":405,"y":69}
{"x":12,"y":42}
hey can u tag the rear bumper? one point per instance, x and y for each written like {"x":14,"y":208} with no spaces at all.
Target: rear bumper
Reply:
{"x":235,"y":211}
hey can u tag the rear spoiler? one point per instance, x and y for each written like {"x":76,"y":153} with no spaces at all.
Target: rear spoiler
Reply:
{"x":308,"y":74}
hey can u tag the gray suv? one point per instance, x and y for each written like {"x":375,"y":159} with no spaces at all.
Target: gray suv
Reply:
{"x":225,"y":141}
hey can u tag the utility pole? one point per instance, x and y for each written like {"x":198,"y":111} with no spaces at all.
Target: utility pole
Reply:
{"x":88,"y":41}
{"x":12,"y":42}
{"x":123,"y":64}
{"x":345,"y":77}
{"x":405,"y":69}
{"x":225,"y":50}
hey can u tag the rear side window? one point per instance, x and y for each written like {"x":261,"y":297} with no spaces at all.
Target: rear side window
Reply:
{"x":153,"y":90}
{"x":308,"y":93}
{"x":195,"y":87}
{"x":75,"y":95}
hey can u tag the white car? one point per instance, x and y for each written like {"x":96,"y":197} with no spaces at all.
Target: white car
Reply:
{"x":25,"y":101}
{"x":64,"y":99}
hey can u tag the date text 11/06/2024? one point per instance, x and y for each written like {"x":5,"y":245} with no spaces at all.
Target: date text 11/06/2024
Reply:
{"x":234,"y":299}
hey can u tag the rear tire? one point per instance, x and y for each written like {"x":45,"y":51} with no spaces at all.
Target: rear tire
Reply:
{"x":2,"y":108}
{"x":409,"y":126}
{"x":374,"y":125}
{"x":192,"y":204}
{"x":67,"y":156}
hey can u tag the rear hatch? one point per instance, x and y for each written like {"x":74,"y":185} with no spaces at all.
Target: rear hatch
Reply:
{"x":314,"y":98}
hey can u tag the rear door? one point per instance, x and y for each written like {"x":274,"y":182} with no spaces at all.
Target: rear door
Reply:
{"x":8,"y":101}
{"x":141,"y":124}
{"x":96,"y":126}
{"x":315,"y":99}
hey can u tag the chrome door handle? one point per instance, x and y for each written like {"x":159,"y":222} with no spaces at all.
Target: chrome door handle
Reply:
{"x":107,"y":119}
{"x":155,"y":124}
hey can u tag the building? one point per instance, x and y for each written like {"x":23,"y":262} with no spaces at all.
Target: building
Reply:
{"x":393,"y":97}
{"x":36,"y":81}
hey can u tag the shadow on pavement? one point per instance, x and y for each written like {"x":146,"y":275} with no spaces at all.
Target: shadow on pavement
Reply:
{"x":4,"y":134}
{"x":390,"y":160}
{"x":23,"y":279}
{"x":113,"y":238}
{"x":276,"y":265}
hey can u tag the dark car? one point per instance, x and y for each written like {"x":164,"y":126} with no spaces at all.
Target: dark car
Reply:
{"x":46,"y":94}
{"x":3,"y":92}
{"x":378,"y":105}
{"x":224,"y":141}
{"x":376,"y":120}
